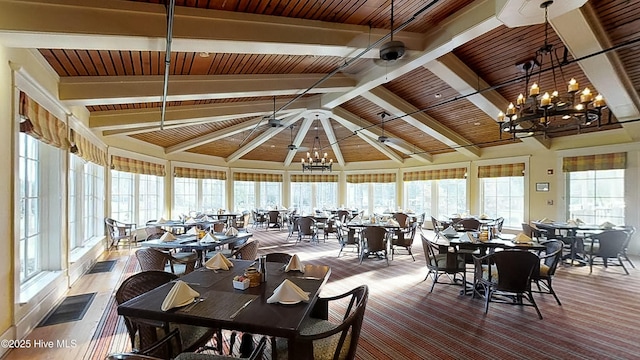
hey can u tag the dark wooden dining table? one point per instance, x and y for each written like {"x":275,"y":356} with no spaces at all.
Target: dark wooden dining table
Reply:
{"x":225,"y":307}
{"x":191,"y":242}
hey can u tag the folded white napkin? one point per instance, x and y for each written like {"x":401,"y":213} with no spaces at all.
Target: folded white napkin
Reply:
{"x":607,"y":225}
{"x":356,"y":219}
{"x":179,"y":295}
{"x":484,"y":216}
{"x":192,"y":231}
{"x":449,"y":231}
{"x":190,"y":221}
{"x":288,"y":292}
{"x":231,"y":231}
{"x":467,"y":237}
{"x":166,"y":237}
{"x":208,"y":238}
{"x":218,"y":262}
{"x":546,"y":221}
{"x":572,"y":222}
{"x":162,"y":220}
{"x":393,"y":222}
{"x":295,"y":264}
{"x":522,"y":238}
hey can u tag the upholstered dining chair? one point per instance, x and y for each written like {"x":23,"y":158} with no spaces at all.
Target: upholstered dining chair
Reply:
{"x":374,"y":242}
{"x":507,"y":274}
{"x":544,"y":275}
{"x":161,"y":339}
{"x":329,"y":339}
{"x":609,"y":244}
{"x":443,"y":263}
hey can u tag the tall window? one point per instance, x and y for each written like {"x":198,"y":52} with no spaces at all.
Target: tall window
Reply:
{"x":193,"y":194}
{"x":384,"y":197}
{"x":326,"y":195}
{"x":185,"y":195}
{"x":300,"y":198}
{"x":310,"y":192}
{"x":417,"y":196}
{"x":373,"y":193}
{"x":150,"y":197}
{"x":504,"y":197}
{"x":254,"y":190}
{"x":270,"y":194}
{"x":595,"y":187}
{"x":30,"y":224}
{"x":358,"y":196}
{"x":213,"y":194}
{"x":86,"y":201}
{"x":244,"y":195}
{"x":122,"y":196}
{"x":452,"y":197}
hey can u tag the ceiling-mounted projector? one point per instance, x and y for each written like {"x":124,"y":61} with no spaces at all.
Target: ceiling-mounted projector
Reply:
{"x":392,"y":50}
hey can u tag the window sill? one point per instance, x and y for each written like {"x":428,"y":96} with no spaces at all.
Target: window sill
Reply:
{"x":32,"y":287}
{"x":77,"y":253}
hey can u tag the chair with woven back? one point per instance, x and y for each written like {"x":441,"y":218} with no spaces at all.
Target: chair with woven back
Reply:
{"x":218,"y":227}
{"x":248,"y":251}
{"x":347,"y":237}
{"x":331,"y":339}
{"x":469,"y":224}
{"x":118,"y":231}
{"x":404,"y":238}
{"x":273,"y":220}
{"x":154,"y":259}
{"x":374,"y":242}
{"x":278,"y":257}
{"x":402,"y":219}
{"x":307,"y":227}
{"x":505,"y":277}
{"x":630,"y":230}
{"x":158,"y":338}
{"x":344,"y":215}
{"x":547,"y":269}
{"x":443,"y":262}
{"x":609,"y":244}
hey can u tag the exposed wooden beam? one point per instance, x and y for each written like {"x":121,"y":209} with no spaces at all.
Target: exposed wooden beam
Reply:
{"x":260,"y":139}
{"x":297,"y":140}
{"x":213,"y":136}
{"x":331,"y":136}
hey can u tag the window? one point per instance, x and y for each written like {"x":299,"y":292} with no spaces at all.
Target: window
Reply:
{"x":86,"y":201}
{"x":358,"y":196}
{"x":269,"y":194}
{"x":150,"y":198}
{"x":185,"y":195}
{"x":305,"y":196}
{"x":596,"y":196}
{"x":192,"y":194}
{"x":300,"y":198}
{"x":244,"y":195}
{"x":213,"y":191}
{"x":417,"y":196}
{"x":381,"y":197}
{"x":504,"y":197}
{"x":122,"y":196}
{"x":326,"y":195}
{"x":452,"y":197}
{"x":29,"y":164}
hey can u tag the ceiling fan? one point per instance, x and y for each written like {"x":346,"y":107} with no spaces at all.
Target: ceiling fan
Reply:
{"x":383,"y":138}
{"x":292,"y":146}
{"x":272,"y":120}
{"x":392,"y":51}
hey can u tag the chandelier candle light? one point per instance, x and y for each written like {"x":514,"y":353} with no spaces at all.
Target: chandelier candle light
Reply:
{"x":316,"y":162}
{"x":533,"y":114}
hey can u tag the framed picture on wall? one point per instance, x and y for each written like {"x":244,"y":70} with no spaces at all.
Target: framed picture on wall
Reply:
{"x":542,"y":186}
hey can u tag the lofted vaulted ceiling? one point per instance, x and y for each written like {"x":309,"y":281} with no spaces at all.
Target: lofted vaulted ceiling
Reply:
{"x":232,"y":61}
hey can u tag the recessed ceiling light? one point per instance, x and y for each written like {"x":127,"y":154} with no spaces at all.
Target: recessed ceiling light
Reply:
{"x":477,"y":123}
{"x":273,"y":146}
{"x":203,"y":54}
{"x":438,"y":96}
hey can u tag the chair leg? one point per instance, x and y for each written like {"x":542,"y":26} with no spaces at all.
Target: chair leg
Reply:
{"x":553,"y":292}
{"x":534,"y":304}
{"x":622,"y":264}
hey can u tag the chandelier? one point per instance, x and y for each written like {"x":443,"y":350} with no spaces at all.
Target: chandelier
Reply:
{"x":533,"y":114}
{"x":316,"y":162}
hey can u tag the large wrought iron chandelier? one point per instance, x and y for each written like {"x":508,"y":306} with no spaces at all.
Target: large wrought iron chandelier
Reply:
{"x":316,"y":162}
{"x":533,"y":114}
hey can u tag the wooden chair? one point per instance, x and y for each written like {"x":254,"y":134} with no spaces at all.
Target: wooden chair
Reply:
{"x":443,"y":263}
{"x":404,"y":238}
{"x":609,"y":244}
{"x":547,"y":269}
{"x":374,"y":242}
{"x":117,"y":231}
{"x":326,"y":339}
{"x":507,"y":274}
{"x":158,"y":338}
{"x":153,"y":259}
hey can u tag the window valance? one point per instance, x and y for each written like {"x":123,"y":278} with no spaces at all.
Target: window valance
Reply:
{"x":41,"y":124}
{"x":87,"y":150}
{"x":199,"y":173}
{"x":314,"y":178}
{"x":371,"y":178}
{"x":440,"y":174}
{"x":136,"y":166}
{"x":595,"y":162}
{"x":502,"y":170}
{"x":257,"y":177}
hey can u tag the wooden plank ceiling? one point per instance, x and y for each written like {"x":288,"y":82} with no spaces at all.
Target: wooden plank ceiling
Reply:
{"x":492,"y":56}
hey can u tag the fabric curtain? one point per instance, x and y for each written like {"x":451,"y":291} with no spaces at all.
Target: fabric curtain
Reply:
{"x":87,"y":150}
{"x":136,"y":166}
{"x":314,"y":178}
{"x":257,"y":177}
{"x":41,"y":124}
{"x":371,"y":178}
{"x":503,"y":170}
{"x":184,"y":172}
{"x":595,"y":162}
{"x":457,"y":173}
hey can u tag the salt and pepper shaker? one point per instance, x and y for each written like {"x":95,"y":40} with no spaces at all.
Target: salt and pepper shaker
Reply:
{"x":263,"y":268}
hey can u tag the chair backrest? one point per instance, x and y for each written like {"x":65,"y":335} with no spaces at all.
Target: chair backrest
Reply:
{"x":402,"y":219}
{"x":151,"y":259}
{"x":429,"y":250}
{"x":630,"y":230}
{"x":346,"y":335}
{"x":375,"y":237}
{"x":218,"y":227}
{"x":527,"y":230}
{"x":470,"y":224}
{"x":278,"y":257}
{"x":137,"y":285}
{"x":405,"y":238}
{"x":498,"y":224}
{"x":514,"y":269}
{"x":552,"y":256}
{"x":611,"y":243}
{"x":248,"y":251}
{"x":343,"y":215}
{"x":274,"y":216}
{"x":246,"y":217}
{"x":307,"y":225}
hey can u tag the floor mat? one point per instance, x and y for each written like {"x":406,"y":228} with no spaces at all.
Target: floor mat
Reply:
{"x":72,"y":308}
{"x":102,"y":266}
